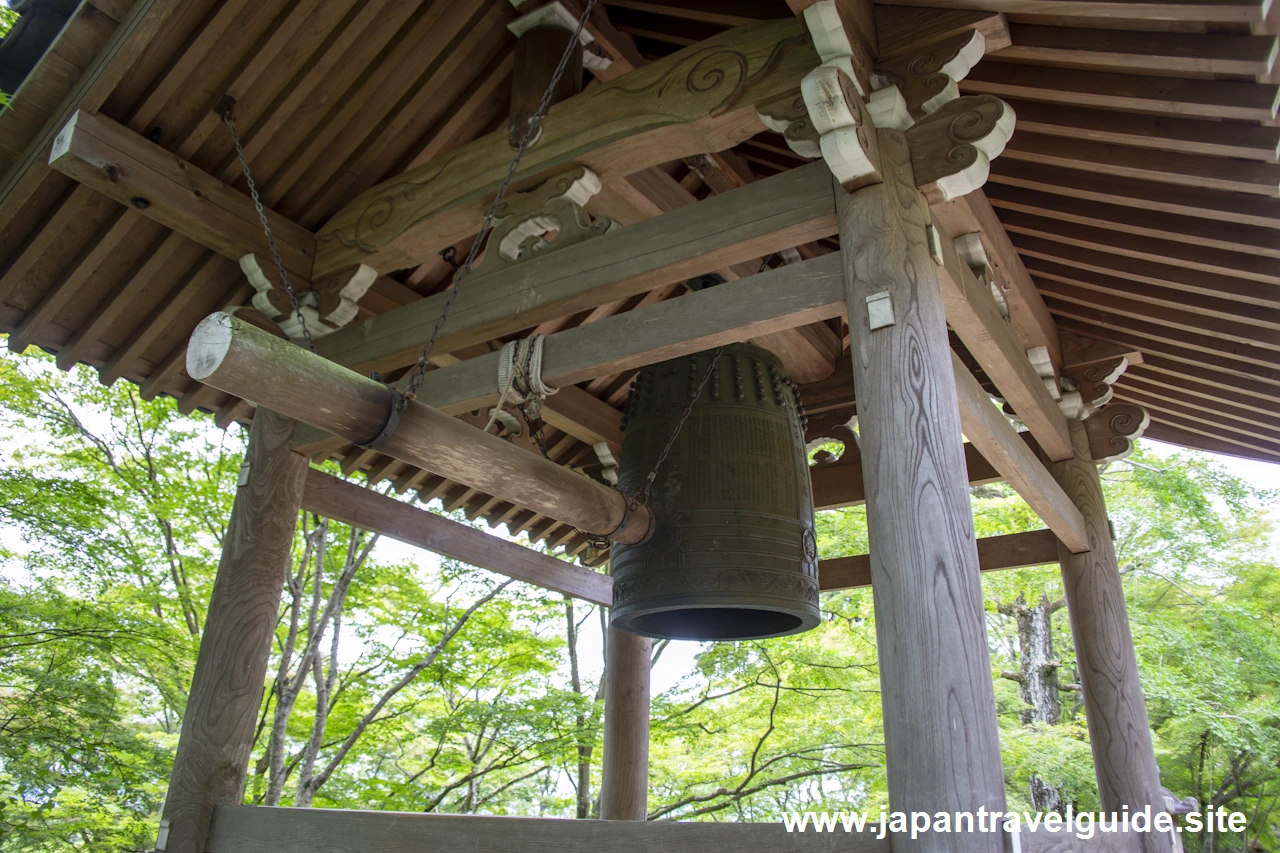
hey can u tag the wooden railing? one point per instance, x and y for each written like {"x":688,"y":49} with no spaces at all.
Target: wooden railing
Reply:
{"x":258,"y":829}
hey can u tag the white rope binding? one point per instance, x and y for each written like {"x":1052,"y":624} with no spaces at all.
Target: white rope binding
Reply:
{"x":520,"y":378}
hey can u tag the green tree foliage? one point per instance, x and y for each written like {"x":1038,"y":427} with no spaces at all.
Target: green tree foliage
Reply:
{"x":423,"y":686}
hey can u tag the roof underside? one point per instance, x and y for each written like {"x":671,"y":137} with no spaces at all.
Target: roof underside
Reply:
{"x":1140,"y":188}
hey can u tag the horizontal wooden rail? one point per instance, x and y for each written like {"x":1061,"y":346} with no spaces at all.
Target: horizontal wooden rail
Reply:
{"x":767,"y":216}
{"x":259,"y":829}
{"x":351,"y":504}
{"x":995,"y":553}
{"x":369,"y":510}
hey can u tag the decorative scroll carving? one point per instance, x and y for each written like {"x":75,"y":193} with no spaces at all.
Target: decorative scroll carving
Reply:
{"x":888,"y":109}
{"x":952,"y":149}
{"x":847,"y":136}
{"x":829,"y":427}
{"x":790,"y":117}
{"x":1089,"y":386}
{"x":327,"y":305}
{"x":1113,"y":429}
{"x":556,"y":207}
{"x":703,"y":98}
{"x":831,"y":41}
{"x":970,"y":249}
{"x":928,"y":78}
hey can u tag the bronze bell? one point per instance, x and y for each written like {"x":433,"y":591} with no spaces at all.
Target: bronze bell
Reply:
{"x":733,"y":554}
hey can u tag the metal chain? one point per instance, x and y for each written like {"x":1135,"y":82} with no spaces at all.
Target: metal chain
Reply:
{"x":266,"y":226}
{"x":641,"y":497}
{"x":530,"y":134}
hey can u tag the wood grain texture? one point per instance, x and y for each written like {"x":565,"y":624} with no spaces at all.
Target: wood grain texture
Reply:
{"x":258,"y":829}
{"x":1119,"y":732}
{"x":361,"y":507}
{"x":995,"y":553}
{"x":115,"y":161}
{"x":697,"y":100}
{"x":624,"y":785}
{"x":226,"y":691}
{"x":973,"y":314}
{"x":760,"y":218}
{"x":840,"y":484}
{"x":942,"y":749}
{"x":996,"y":439}
{"x":237,"y":358}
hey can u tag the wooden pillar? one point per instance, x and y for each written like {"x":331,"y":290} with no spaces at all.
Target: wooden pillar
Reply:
{"x":226,"y":691}
{"x":1119,"y":732}
{"x":624,"y":786}
{"x":942,"y":750}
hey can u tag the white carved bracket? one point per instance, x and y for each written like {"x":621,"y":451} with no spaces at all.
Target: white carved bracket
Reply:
{"x":555,"y":207}
{"x":1113,"y":429}
{"x":847,"y":137}
{"x":326,"y":306}
{"x":970,"y":249}
{"x":927,"y":79}
{"x":952,"y":148}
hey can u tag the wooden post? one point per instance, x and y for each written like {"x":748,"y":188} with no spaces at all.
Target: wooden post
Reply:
{"x":1119,"y":732}
{"x":226,"y":692}
{"x":942,"y":750}
{"x":624,"y":787}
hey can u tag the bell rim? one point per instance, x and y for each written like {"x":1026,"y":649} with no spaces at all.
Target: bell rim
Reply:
{"x":624,"y":618}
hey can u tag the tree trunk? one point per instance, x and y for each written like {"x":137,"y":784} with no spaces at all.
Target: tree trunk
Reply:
{"x":1037,"y":678}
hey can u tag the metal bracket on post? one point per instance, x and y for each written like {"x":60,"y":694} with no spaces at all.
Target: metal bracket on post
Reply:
{"x":243,"y":480}
{"x":162,"y":836}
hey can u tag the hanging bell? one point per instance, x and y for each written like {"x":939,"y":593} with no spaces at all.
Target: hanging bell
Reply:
{"x":733,"y":554}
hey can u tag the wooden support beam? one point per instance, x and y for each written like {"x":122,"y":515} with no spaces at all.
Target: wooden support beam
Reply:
{"x":973,"y":314}
{"x":902,"y":30}
{"x":624,"y":775}
{"x":1129,"y":92}
{"x":1218,"y":205}
{"x":139,"y":174}
{"x":240,"y":359}
{"x":642,"y":119}
{"x":1168,"y":52}
{"x":352,"y":504}
{"x":249,"y":829}
{"x":995,"y":553}
{"x":1227,"y":11}
{"x":212,"y":758}
{"x":763,"y":217}
{"x":1027,"y":312}
{"x":1119,"y":732}
{"x":924,"y":562}
{"x":995,"y":438}
{"x":839,"y":484}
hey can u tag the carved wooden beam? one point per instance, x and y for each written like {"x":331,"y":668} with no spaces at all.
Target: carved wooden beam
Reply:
{"x":952,"y":148}
{"x":1113,"y":429}
{"x":700,"y":99}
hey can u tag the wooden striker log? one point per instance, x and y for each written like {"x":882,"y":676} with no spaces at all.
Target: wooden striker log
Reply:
{"x":233,"y":356}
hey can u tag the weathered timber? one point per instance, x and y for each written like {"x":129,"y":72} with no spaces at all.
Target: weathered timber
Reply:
{"x":538,"y":52}
{"x":972,"y":312}
{"x":233,"y":356}
{"x":352,"y":504}
{"x":763,"y":217}
{"x":700,"y":99}
{"x":624,"y":776}
{"x":258,"y":829}
{"x":840,"y":484}
{"x":924,"y":560}
{"x":118,"y":163}
{"x":996,"y":439}
{"x":226,"y":691}
{"x":1119,"y":731}
{"x":995,"y":553}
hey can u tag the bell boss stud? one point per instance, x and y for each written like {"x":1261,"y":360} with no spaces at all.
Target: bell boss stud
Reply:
{"x":238,"y":358}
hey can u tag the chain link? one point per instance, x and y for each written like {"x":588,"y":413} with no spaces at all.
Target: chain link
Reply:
{"x":464,"y":270}
{"x":227,"y":117}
